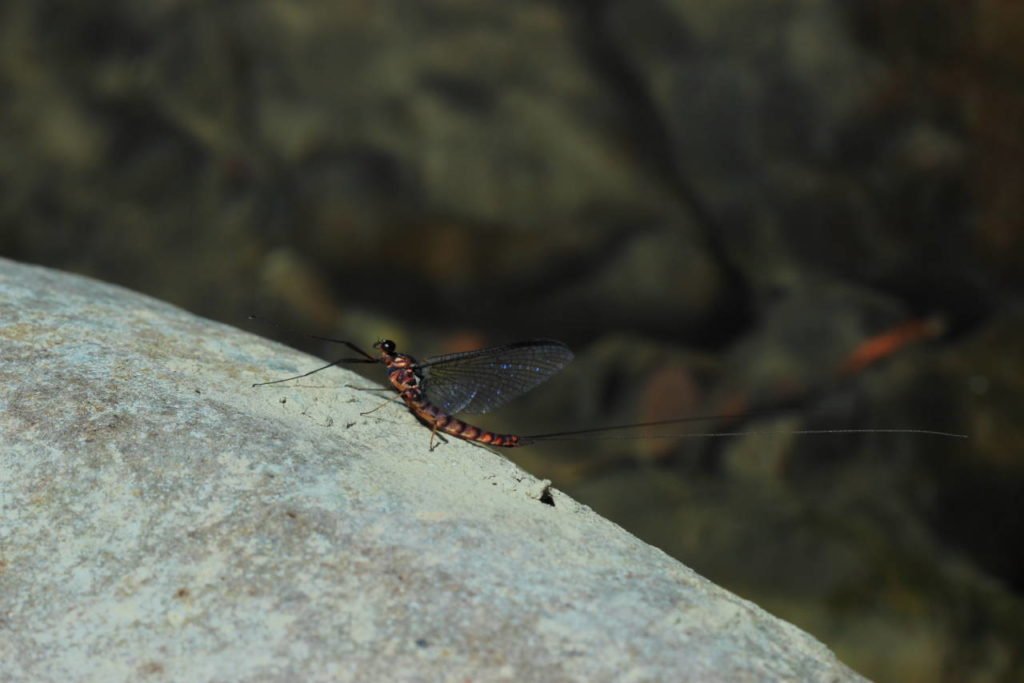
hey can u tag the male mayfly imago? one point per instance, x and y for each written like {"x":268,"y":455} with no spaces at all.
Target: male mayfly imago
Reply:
{"x":476,"y":382}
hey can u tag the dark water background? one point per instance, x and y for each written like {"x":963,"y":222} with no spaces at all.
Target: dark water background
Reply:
{"x":810,"y":205}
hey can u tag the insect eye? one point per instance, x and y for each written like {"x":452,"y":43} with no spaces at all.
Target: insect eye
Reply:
{"x":387,"y":345}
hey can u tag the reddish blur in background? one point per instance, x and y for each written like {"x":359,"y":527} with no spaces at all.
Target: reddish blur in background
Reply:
{"x":813,"y":206}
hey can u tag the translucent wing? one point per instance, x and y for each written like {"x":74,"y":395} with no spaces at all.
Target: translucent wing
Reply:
{"x":480,"y":381}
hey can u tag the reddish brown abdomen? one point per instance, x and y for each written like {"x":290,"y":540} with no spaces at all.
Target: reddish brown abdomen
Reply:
{"x":453,"y":426}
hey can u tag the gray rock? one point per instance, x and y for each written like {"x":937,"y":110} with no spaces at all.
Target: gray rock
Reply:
{"x":163,"y":519}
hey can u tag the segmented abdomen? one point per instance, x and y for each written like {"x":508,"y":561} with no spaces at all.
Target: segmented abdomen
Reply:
{"x":435,"y":417}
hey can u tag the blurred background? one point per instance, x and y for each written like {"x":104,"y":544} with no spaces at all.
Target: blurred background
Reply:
{"x":810,"y":207}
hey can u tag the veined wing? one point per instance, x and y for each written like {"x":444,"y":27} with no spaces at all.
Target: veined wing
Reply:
{"x":479,"y":381}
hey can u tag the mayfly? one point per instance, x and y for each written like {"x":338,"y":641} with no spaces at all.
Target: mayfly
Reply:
{"x":477,"y":382}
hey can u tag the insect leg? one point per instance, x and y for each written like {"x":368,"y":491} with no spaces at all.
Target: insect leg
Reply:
{"x":313,"y":372}
{"x":435,"y":434}
{"x":390,"y":400}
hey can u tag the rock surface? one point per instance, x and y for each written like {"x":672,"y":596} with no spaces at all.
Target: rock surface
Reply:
{"x":162,"y":519}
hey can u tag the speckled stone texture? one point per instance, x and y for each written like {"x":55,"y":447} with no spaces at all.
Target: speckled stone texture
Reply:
{"x":164,"y":520}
